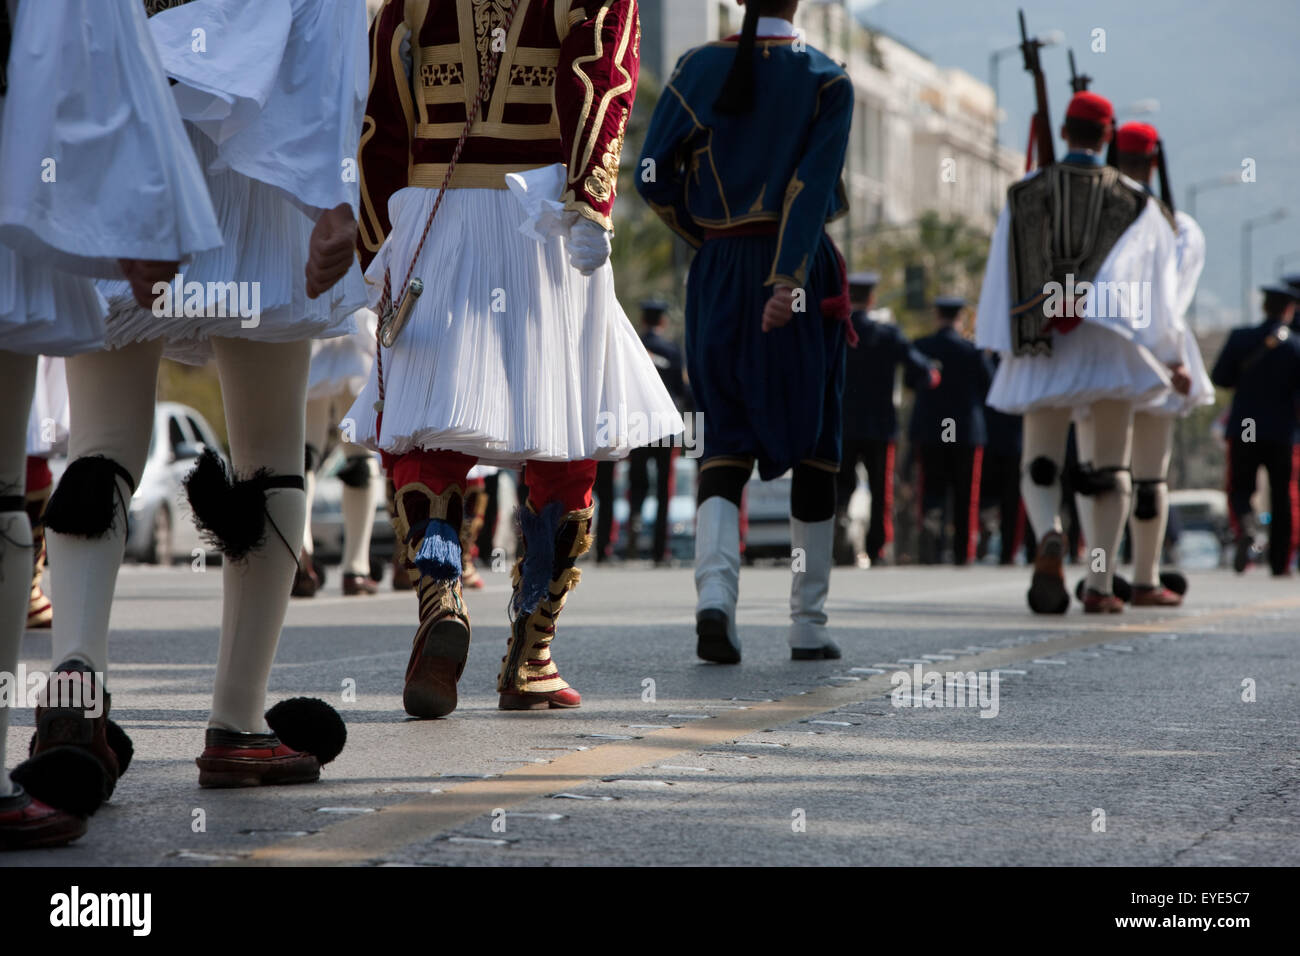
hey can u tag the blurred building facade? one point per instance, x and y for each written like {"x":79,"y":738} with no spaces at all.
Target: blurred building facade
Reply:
{"x":923,"y":135}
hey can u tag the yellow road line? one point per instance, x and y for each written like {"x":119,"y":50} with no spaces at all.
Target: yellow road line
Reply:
{"x":372,"y":836}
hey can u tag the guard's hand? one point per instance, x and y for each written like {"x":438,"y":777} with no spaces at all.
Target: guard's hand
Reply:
{"x":589,"y":246}
{"x":143,"y":274}
{"x":1179,"y":378}
{"x":331,"y":250}
{"x":936,"y":378}
{"x":779,"y":309}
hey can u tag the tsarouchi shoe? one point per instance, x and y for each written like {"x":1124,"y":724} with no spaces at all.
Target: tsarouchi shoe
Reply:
{"x":28,"y":824}
{"x":543,"y":577}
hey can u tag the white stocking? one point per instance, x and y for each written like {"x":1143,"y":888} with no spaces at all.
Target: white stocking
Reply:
{"x":17,"y":380}
{"x":1106,"y":443}
{"x":318,"y":434}
{"x":111,"y":403}
{"x":264,"y":389}
{"x":358,"y":516}
{"x":1153,"y":442}
{"x":1046,"y":432}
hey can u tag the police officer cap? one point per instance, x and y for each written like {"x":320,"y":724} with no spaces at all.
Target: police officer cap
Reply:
{"x":949,"y":303}
{"x":1283,"y":290}
{"x":864,"y":280}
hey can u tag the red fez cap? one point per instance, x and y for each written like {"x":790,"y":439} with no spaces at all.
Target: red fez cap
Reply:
{"x":1090,"y":106}
{"x":1137,"y":138}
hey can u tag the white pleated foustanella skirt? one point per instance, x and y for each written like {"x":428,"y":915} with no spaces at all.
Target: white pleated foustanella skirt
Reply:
{"x":510,"y":354}
{"x":46,"y":312}
{"x":264,"y":255}
{"x":342,"y":364}
{"x":1086,"y":365}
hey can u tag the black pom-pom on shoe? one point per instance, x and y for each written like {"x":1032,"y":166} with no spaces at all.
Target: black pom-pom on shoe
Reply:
{"x":121,"y":745}
{"x":66,"y":778}
{"x":309,"y":725}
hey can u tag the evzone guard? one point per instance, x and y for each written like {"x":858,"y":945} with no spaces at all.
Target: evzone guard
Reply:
{"x":1080,"y":300}
{"x":339,"y":368}
{"x":273,"y":148}
{"x":489,"y":160}
{"x":81,"y":86}
{"x":1139,"y":152}
{"x":745,"y":152}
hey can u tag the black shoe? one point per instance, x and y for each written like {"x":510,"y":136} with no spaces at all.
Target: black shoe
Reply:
{"x":1241,"y":559}
{"x":713,"y":643}
{"x":827,"y":652}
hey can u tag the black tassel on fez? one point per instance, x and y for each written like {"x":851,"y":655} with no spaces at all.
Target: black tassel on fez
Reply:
{"x":231,"y":515}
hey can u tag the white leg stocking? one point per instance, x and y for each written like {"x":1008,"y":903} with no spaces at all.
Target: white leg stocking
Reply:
{"x":264,"y":389}
{"x":358,"y":515}
{"x":1107,"y":443}
{"x":17,"y":380}
{"x":1046,"y":433}
{"x":111,"y":403}
{"x":1153,"y":442}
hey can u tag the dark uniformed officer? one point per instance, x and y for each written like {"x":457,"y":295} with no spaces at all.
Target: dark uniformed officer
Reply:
{"x":948,"y":434}
{"x":1000,"y":478}
{"x":668,"y":359}
{"x":1293,"y":283}
{"x":870,"y":418}
{"x":1261,"y":364}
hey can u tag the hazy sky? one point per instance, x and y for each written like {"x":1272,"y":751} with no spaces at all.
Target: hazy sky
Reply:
{"x":1225,"y":72}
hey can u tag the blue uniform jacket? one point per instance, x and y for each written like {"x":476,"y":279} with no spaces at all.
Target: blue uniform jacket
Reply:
{"x":869,"y":412}
{"x":699,"y":171}
{"x":1262,"y":364}
{"x":753,"y":193}
{"x":966,"y":375}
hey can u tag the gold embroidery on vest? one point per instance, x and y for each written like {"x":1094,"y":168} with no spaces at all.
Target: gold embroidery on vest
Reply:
{"x":603,"y":181}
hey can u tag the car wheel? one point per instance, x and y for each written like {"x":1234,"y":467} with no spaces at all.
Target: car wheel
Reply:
{"x":160,"y":538}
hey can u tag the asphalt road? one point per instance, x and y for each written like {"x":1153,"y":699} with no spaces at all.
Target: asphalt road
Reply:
{"x":1116,"y":741}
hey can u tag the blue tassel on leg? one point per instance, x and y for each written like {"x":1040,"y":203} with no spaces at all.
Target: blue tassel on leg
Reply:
{"x":539,"y":558}
{"x":438,"y":556}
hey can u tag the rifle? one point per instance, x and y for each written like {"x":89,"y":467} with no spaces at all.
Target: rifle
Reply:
{"x":1166,"y":191}
{"x":1079,"y":82}
{"x":1042,"y":123}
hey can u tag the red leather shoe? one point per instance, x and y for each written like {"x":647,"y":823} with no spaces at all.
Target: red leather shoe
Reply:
{"x":28,"y":824}
{"x":232,"y":759}
{"x":1094,"y":602}
{"x":55,"y":773}
{"x":563,"y":699}
{"x":358,"y":584}
{"x":1047,"y":593}
{"x":1155,"y":595}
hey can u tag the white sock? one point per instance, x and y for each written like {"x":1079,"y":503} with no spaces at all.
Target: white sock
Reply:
{"x":308,"y":544}
{"x":1046,"y":432}
{"x":255,"y":596}
{"x":358,"y":522}
{"x":15,"y":583}
{"x":111,"y":402}
{"x":17,"y":381}
{"x":264,"y":389}
{"x":1153,"y":440}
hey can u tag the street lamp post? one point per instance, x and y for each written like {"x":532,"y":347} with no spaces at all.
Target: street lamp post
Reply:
{"x":1247,"y":228}
{"x":1279,"y":264}
{"x":1227,"y":179}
